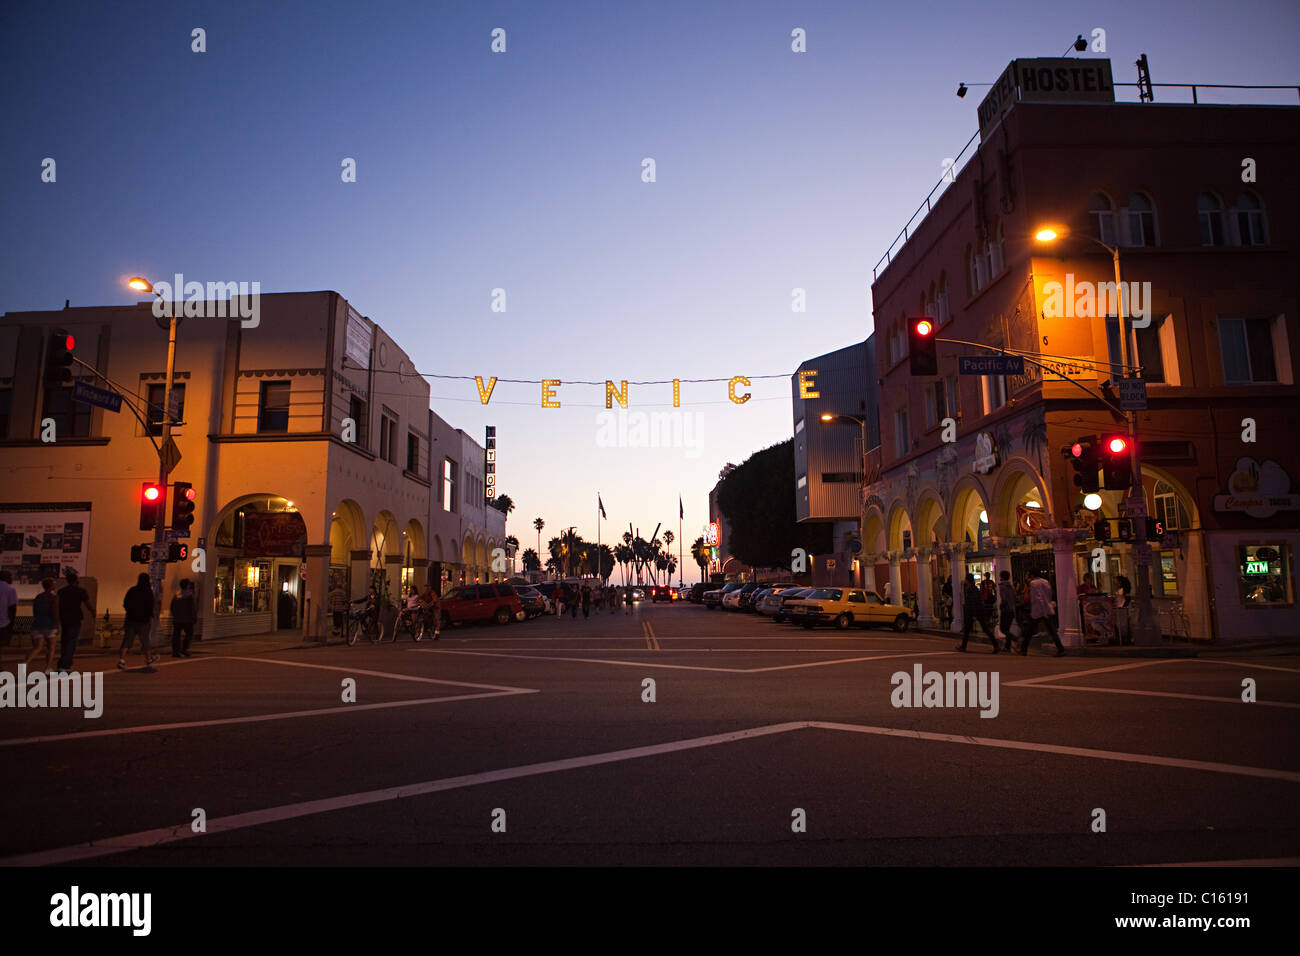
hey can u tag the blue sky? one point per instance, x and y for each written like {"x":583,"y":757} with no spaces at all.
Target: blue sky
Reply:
{"x":522,"y":171}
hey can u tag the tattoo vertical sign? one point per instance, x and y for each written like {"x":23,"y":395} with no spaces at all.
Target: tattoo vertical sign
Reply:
{"x":490,"y":463}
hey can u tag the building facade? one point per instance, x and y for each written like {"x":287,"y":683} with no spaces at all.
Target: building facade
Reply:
{"x":836,"y":422}
{"x":975,"y":475}
{"x":307,"y":437}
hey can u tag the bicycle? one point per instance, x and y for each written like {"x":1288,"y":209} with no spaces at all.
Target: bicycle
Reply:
{"x":1179,"y":625}
{"x":364,"y":620}
{"x":415,"y":621}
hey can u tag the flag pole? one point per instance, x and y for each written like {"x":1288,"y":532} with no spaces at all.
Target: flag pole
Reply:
{"x":598,"y":507}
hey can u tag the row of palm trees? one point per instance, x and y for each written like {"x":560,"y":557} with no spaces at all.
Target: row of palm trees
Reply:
{"x":634,"y":556}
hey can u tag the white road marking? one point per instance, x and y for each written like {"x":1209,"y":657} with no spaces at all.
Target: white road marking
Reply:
{"x":165,"y":835}
{"x":1151,"y":759}
{"x":1094,"y":670}
{"x":1163,"y":693}
{"x":1277,"y":861}
{"x":492,"y":690}
{"x":257,"y":718}
{"x":679,"y":667}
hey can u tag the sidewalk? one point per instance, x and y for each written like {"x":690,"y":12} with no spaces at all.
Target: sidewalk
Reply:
{"x":105,"y":658}
{"x":1165,"y":649}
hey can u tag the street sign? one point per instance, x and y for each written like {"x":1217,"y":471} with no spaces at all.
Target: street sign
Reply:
{"x":172,"y":534}
{"x":990,"y":365}
{"x":1132,"y":394}
{"x":91,"y":395}
{"x":170,"y":455}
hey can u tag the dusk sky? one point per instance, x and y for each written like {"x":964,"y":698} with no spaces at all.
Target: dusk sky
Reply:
{"x":522,"y":171}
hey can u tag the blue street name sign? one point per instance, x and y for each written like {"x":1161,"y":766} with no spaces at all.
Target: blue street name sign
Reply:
{"x":990,"y":365}
{"x":83,"y":392}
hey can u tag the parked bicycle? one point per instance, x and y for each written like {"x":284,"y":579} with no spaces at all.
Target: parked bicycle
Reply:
{"x":364,"y":620}
{"x":1174,"y":621}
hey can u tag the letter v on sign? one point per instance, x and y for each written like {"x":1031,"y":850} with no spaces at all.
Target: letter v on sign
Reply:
{"x":485,"y":394}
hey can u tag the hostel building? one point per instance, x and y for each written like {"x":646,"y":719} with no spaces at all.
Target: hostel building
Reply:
{"x":1216,"y":251}
{"x":307,"y":437}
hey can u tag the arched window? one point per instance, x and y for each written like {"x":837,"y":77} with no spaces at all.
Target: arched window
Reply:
{"x":1209,"y":212}
{"x":1252,"y":230}
{"x":1169,"y":508}
{"x":929,"y":303}
{"x":994,"y":249}
{"x":941,"y":311}
{"x":1140,"y":217}
{"x":1102,"y":213}
{"x":972,"y":271}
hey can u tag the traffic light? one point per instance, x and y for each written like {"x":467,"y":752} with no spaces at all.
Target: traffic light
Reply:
{"x":1125,"y":527}
{"x":177,"y":551}
{"x":1101,"y":530}
{"x":182,"y":506}
{"x":58,"y":360}
{"x":1116,"y":463}
{"x":1083,"y":458}
{"x":1155,"y":529}
{"x":921,"y":343}
{"x":150,"y":496}
{"x":141,"y":553}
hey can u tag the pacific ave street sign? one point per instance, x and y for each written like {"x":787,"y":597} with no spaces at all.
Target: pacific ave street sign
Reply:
{"x":990,"y":365}
{"x":92,"y":395}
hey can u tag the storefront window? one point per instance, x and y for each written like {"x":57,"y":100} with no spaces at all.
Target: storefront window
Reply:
{"x":242,"y":586}
{"x":1166,"y":574}
{"x":1264,"y":573}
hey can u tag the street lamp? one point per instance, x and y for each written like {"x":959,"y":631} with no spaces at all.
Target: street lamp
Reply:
{"x":1147,"y":630}
{"x":158,"y":556}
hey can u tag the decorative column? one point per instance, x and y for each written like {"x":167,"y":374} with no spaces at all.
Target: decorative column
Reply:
{"x":869,"y":572}
{"x":924,"y":590}
{"x":1001,"y":562}
{"x":1067,"y":591}
{"x":316,"y":592}
{"x":895,"y":577}
{"x":360,"y":573}
{"x":957,"y":557}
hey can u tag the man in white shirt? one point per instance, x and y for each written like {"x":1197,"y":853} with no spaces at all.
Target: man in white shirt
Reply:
{"x":8,"y":609}
{"x":1040,"y":610}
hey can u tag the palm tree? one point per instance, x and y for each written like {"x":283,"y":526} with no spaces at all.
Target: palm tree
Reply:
{"x":504,"y":504}
{"x":701,"y":555}
{"x":539,"y":524}
{"x":572,"y":543}
{"x":606,"y":562}
{"x":531,"y":561}
{"x":512,"y":550}
{"x":623,"y":554}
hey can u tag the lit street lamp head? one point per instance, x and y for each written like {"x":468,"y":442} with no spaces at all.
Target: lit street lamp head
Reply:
{"x":1047,"y":234}
{"x":139,"y":284}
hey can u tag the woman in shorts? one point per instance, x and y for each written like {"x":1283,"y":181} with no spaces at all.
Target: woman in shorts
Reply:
{"x":45,"y":624}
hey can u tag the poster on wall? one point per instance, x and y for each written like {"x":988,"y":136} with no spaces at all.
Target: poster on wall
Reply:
{"x":274,"y":535}
{"x":43,"y":541}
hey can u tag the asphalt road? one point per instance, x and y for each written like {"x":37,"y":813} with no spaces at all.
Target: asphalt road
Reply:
{"x":534,"y":744}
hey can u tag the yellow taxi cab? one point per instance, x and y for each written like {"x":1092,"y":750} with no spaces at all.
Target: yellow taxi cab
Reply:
{"x":845,"y":608}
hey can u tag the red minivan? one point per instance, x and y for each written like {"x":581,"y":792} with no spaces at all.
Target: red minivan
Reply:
{"x":481,"y":602}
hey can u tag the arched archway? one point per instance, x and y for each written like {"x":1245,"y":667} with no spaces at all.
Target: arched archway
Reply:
{"x":415,"y":556}
{"x":347,"y":538}
{"x":386,"y":556}
{"x":258,"y":546}
{"x":1019,"y":484}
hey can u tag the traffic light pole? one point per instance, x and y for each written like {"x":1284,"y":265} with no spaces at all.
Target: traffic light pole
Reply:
{"x":158,"y":556}
{"x":1147,"y":629}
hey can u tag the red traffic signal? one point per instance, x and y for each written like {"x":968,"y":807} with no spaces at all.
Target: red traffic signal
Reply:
{"x":150,"y":499}
{"x":1083,"y":454}
{"x":921,"y":344}
{"x":182,"y":506}
{"x":1076,"y":450}
{"x":1117,"y":463}
{"x":1117,"y":445}
{"x":58,"y":360}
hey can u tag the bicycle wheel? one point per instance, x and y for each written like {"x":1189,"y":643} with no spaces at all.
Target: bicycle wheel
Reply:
{"x":353,"y":631}
{"x":375,"y":631}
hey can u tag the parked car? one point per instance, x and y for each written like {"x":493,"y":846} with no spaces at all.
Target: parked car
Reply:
{"x":781,"y":612}
{"x":766,"y":602}
{"x":696,"y":595}
{"x":482,"y":602}
{"x":534,"y":601}
{"x":847,"y":607}
{"x":713,"y":598}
